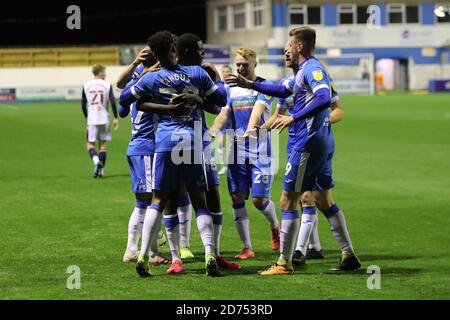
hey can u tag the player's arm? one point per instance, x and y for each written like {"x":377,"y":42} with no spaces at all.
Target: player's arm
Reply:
{"x":127,"y":74}
{"x":163,"y":109}
{"x":84,"y":103}
{"x":271,"y":89}
{"x":134,"y":92}
{"x":112,"y":100}
{"x":214,"y":92}
{"x":337,"y":113}
{"x":221,"y":121}
{"x":273,"y":117}
{"x":193,"y":99}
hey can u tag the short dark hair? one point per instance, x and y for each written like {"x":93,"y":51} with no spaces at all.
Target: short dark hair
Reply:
{"x":160,"y":43}
{"x":187,"y":48}
{"x":150,"y":59}
{"x":305,"y":35}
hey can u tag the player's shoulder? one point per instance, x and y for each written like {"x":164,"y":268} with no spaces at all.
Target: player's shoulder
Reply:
{"x":316,"y":69}
{"x":262,"y":80}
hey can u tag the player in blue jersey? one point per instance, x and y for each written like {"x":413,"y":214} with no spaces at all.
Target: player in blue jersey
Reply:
{"x":178,"y":155}
{"x":312,"y":146}
{"x":139,"y":155}
{"x":190,"y":53}
{"x":322,"y":193}
{"x":250,"y":163}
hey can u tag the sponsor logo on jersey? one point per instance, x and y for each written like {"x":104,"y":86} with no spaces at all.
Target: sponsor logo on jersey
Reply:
{"x":317,"y":75}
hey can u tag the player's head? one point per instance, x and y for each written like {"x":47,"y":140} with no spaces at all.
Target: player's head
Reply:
{"x":226,"y":70}
{"x":302,"y":42}
{"x":150,"y":59}
{"x":245,"y":60}
{"x":190,"y":49}
{"x":163,"y":46}
{"x":99,"y":71}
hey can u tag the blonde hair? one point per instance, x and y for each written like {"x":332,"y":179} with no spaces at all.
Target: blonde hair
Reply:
{"x":97,"y":69}
{"x":247,"y":53}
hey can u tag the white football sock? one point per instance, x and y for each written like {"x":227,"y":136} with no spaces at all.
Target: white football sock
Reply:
{"x":173,"y":235}
{"x":338,"y":227}
{"x":185,"y":216}
{"x":135,"y":227}
{"x":289,"y":229}
{"x":206,"y":229}
{"x":242,"y":224}
{"x":95,"y":159}
{"x":308,"y":218}
{"x":314,"y":241}
{"x":152,"y":225}
{"x":269,"y":212}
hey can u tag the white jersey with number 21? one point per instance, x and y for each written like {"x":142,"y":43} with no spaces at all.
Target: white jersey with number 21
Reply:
{"x":97,"y":94}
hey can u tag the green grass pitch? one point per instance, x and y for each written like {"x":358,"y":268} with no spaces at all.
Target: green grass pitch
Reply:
{"x":392,"y":168}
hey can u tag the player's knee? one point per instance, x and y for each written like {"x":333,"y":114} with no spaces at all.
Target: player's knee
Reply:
{"x":144,"y":196}
{"x":237,"y":198}
{"x":259,"y":202}
{"x":307,"y":198}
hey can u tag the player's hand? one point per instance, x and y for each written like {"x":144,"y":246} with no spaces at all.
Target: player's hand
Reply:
{"x":116,"y":123}
{"x":179,"y":109}
{"x":211,"y":69}
{"x":213,"y":132}
{"x":141,"y":56}
{"x":187,"y":98}
{"x":238,"y":81}
{"x":249,"y":133}
{"x":153,"y":68}
{"x":282,"y":122}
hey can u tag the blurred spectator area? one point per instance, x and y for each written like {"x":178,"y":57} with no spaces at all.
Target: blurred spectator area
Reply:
{"x":59,"y":57}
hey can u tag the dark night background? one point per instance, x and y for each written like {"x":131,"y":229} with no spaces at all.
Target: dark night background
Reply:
{"x":41,"y":23}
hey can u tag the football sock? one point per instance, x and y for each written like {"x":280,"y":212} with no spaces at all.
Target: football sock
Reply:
{"x":268,"y":210}
{"x":338,"y":228}
{"x":289,"y":229}
{"x":308,"y":218}
{"x":217,"y":224}
{"x":93,"y":154}
{"x":205,"y":227}
{"x":242,"y":224}
{"x":102,"y":157}
{"x":172,"y":224}
{"x":185,"y":216}
{"x":152,"y":225}
{"x":314,"y":241}
{"x":135,"y":224}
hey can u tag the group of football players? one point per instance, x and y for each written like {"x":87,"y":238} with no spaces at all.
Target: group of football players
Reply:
{"x":167,"y":89}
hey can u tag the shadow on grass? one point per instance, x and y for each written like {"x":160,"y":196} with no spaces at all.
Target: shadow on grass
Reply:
{"x":113,"y":176}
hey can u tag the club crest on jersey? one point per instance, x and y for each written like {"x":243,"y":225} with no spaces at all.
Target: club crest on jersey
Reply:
{"x":317,"y":75}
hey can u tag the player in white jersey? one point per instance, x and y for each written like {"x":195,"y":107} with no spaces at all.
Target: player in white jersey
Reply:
{"x":94,"y":102}
{"x":249,"y":166}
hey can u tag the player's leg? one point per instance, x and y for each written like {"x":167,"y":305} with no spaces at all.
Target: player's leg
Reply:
{"x":91,"y":138}
{"x":309,"y":218}
{"x":300,"y":175}
{"x":338,"y":226}
{"x":261,"y":200}
{"x":314,"y":250}
{"x":289,"y":229}
{"x":161,"y":184}
{"x":213,"y":202}
{"x":172,"y":224}
{"x":185,"y":216}
{"x":104,"y":136}
{"x":197,"y":185}
{"x":239,"y":187}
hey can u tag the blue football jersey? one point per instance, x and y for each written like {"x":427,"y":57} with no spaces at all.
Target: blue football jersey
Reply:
{"x":241,"y":102}
{"x":164,"y":85}
{"x":143,"y":125}
{"x":314,"y":131}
